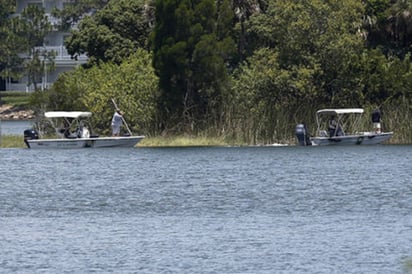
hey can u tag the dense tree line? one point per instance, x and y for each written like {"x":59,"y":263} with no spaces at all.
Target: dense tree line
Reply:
{"x":247,"y":70}
{"x":113,"y":33}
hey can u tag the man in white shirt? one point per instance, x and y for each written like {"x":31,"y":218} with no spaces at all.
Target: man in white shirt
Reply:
{"x":117,"y":122}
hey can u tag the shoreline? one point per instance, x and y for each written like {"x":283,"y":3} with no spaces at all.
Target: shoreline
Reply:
{"x":16,"y":141}
{"x":10,"y":113}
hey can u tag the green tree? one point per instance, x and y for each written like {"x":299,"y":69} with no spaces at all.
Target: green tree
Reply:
{"x":374,"y":21}
{"x":12,"y":41}
{"x":74,"y":11}
{"x":388,"y":26}
{"x":265,"y":95}
{"x":243,"y":11}
{"x":36,"y":27}
{"x":308,"y":59}
{"x":24,"y":35}
{"x":401,"y":25}
{"x":132,"y":84}
{"x":320,"y":36}
{"x":190,"y":55}
{"x":113,"y":33}
{"x":385,"y":79}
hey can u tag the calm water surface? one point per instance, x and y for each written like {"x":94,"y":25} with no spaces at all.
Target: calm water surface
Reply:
{"x":14,"y":127}
{"x":206,"y":210}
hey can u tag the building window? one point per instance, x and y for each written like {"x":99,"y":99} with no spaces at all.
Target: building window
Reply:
{"x":37,"y":4}
{"x":68,"y":4}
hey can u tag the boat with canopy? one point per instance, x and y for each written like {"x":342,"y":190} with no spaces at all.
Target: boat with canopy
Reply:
{"x":340,"y":127}
{"x":73,"y":130}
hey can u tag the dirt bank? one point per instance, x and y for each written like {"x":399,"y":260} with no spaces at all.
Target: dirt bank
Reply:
{"x":8,"y":112}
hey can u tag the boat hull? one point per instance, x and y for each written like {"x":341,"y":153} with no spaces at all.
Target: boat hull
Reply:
{"x":366,"y":138}
{"x":98,"y":142}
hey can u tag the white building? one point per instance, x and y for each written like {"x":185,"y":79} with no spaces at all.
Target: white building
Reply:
{"x":54,"y":41}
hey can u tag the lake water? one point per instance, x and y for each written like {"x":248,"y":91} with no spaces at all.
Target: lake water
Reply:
{"x":11,"y":127}
{"x":206,"y":210}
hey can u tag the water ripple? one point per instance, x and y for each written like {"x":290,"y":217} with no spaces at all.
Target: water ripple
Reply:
{"x":206,"y":210}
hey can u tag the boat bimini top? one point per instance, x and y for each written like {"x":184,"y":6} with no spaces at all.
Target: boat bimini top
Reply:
{"x":347,"y":120}
{"x":340,"y":111}
{"x":68,"y":114}
{"x":75,"y":125}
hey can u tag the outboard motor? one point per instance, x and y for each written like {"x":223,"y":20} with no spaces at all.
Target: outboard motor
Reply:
{"x":302,"y":134}
{"x":30,"y":134}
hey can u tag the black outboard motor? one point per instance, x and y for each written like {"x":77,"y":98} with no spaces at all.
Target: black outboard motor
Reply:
{"x":30,"y":134}
{"x":302,"y":134}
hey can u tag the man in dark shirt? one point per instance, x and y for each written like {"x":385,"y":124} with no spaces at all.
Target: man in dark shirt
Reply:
{"x":376,"y":120}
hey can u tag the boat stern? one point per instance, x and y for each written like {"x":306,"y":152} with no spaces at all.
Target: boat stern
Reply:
{"x":302,"y":135}
{"x":30,"y":134}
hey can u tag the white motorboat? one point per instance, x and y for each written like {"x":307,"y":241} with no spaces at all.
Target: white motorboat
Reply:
{"x":339,"y":127}
{"x":73,"y":130}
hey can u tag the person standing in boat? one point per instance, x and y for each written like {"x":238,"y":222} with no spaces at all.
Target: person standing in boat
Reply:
{"x":376,"y":120}
{"x":117,"y":122}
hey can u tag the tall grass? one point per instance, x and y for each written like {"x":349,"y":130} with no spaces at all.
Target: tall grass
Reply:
{"x":184,"y":141}
{"x":397,"y":117}
{"x":17,"y":99}
{"x":14,"y":141}
{"x":263,"y":127}
{"x":11,"y":141}
{"x":279,"y":125}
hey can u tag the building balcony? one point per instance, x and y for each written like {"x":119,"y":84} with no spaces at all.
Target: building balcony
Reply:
{"x":22,"y":87}
{"x":17,"y":87}
{"x":62,"y":62}
{"x":62,"y":56}
{"x":56,"y":22}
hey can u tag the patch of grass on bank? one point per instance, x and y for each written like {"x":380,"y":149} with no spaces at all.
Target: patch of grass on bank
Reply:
{"x":14,"y":141}
{"x":11,"y":141}
{"x":16,"y":99}
{"x":408,"y":265}
{"x":183,"y":141}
